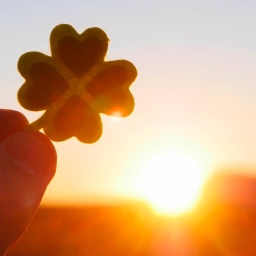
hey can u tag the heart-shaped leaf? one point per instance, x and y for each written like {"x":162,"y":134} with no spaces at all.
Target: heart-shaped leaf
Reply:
{"x":76,"y":118}
{"x":44,"y":84}
{"x":79,"y":53}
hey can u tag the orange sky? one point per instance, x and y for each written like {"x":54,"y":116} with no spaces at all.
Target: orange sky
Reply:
{"x":195,"y":87}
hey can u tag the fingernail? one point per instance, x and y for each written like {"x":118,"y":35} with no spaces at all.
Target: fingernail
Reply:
{"x":32,"y":153}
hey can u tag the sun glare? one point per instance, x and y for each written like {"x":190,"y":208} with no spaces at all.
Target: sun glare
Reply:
{"x":116,"y":116}
{"x":171,"y":182}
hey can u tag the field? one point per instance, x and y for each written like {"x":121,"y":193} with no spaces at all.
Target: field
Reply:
{"x":215,"y":227}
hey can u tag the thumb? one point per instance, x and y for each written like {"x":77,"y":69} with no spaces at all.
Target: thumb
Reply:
{"x":27,"y":164}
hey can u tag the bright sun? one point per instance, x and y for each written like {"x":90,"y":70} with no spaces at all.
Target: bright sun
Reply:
{"x":171,"y":181}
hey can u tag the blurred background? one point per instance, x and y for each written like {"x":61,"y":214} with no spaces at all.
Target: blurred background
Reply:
{"x":184,"y":156}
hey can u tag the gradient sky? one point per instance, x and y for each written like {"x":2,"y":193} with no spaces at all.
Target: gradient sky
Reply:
{"x":196,"y":84}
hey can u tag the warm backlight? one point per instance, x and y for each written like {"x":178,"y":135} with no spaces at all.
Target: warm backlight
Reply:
{"x":116,"y":116}
{"x":171,"y":181}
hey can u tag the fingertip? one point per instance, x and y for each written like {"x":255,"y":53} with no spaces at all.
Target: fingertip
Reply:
{"x":33,"y":153}
{"x":28,"y":149}
{"x":11,"y":121}
{"x":27,"y":165}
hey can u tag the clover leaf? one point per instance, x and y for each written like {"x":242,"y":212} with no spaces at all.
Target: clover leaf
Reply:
{"x":75,"y":85}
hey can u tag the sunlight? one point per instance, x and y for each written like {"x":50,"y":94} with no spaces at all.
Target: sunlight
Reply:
{"x":116,"y":116}
{"x":171,"y":181}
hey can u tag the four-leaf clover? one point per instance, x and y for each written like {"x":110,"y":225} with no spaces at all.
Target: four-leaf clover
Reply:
{"x":75,"y":84}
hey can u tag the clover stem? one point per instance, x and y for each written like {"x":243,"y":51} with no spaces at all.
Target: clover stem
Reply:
{"x":38,"y":124}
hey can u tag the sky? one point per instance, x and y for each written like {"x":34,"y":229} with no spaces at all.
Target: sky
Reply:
{"x":195,"y":89}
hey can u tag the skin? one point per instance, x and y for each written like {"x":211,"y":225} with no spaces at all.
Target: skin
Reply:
{"x":27,"y":165}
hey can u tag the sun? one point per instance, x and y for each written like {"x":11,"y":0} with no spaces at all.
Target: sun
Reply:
{"x":171,"y":181}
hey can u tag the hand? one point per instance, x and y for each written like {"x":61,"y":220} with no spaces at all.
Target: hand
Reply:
{"x":27,"y":164}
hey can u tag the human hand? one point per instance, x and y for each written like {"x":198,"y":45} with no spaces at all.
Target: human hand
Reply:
{"x":27,"y":165}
